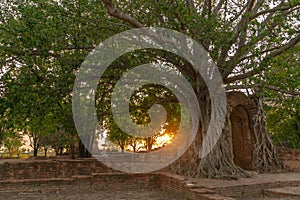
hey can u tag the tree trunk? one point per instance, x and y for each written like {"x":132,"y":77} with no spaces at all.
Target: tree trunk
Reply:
{"x":45,"y":151}
{"x":149,"y":143}
{"x":87,"y":154}
{"x":10,"y":153}
{"x":134,"y":148}
{"x":35,"y":144}
{"x":81,"y":149}
{"x":83,"y":152}
{"x":220,"y":161}
{"x":35,"y":151}
{"x":56,"y":149}
{"x":72,"y":150}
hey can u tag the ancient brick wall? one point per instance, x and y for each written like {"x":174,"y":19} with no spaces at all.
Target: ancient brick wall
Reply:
{"x":84,"y":174}
{"x":242,"y":110}
{"x":290,"y":158}
{"x":60,"y":168}
{"x":241,"y":138}
{"x":17,"y":176}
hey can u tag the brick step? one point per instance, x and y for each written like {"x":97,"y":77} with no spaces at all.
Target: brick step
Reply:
{"x":284,"y":192}
{"x":246,"y":188}
{"x":258,"y":190}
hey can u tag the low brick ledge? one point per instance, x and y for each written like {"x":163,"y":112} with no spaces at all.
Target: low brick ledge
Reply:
{"x":36,"y":180}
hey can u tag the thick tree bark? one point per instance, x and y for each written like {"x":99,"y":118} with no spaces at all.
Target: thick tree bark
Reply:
{"x":219,"y":163}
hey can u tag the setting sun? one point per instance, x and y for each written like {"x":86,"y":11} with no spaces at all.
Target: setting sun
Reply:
{"x":163,"y":140}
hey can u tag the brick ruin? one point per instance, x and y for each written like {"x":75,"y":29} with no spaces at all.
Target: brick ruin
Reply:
{"x":241,"y":111}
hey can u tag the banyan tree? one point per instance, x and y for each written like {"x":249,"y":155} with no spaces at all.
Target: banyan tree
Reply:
{"x":241,"y":37}
{"x":43,"y":44}
{"x":244,"y":144}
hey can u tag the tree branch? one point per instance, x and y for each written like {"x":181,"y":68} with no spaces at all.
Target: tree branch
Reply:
{"x":262,"y":67}
{"x":241,"y":34}
{"x":271,"y":87}
{"x":280,"y":7}
{"x":295,"y":94}
{"x":190,"y":5}
{"x":116,"y":13}
{"x":206,"y":8}
{"x":218,"y":7}
{"x":260,"y":36}
{"x":262,"y":52}
{"x":120,"y":15}
{"x":241,"y":27}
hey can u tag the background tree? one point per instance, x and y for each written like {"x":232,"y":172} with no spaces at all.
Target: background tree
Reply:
{"x":42,"y":44}
{"x":283,"y":101}
{"x":12,"y":140}
{"x":142,"y":99}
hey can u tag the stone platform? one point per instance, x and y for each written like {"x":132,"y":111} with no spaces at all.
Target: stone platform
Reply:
{"x":260,"y":186}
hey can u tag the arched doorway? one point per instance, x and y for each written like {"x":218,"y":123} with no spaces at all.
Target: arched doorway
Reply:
{"x":241,"y":138}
